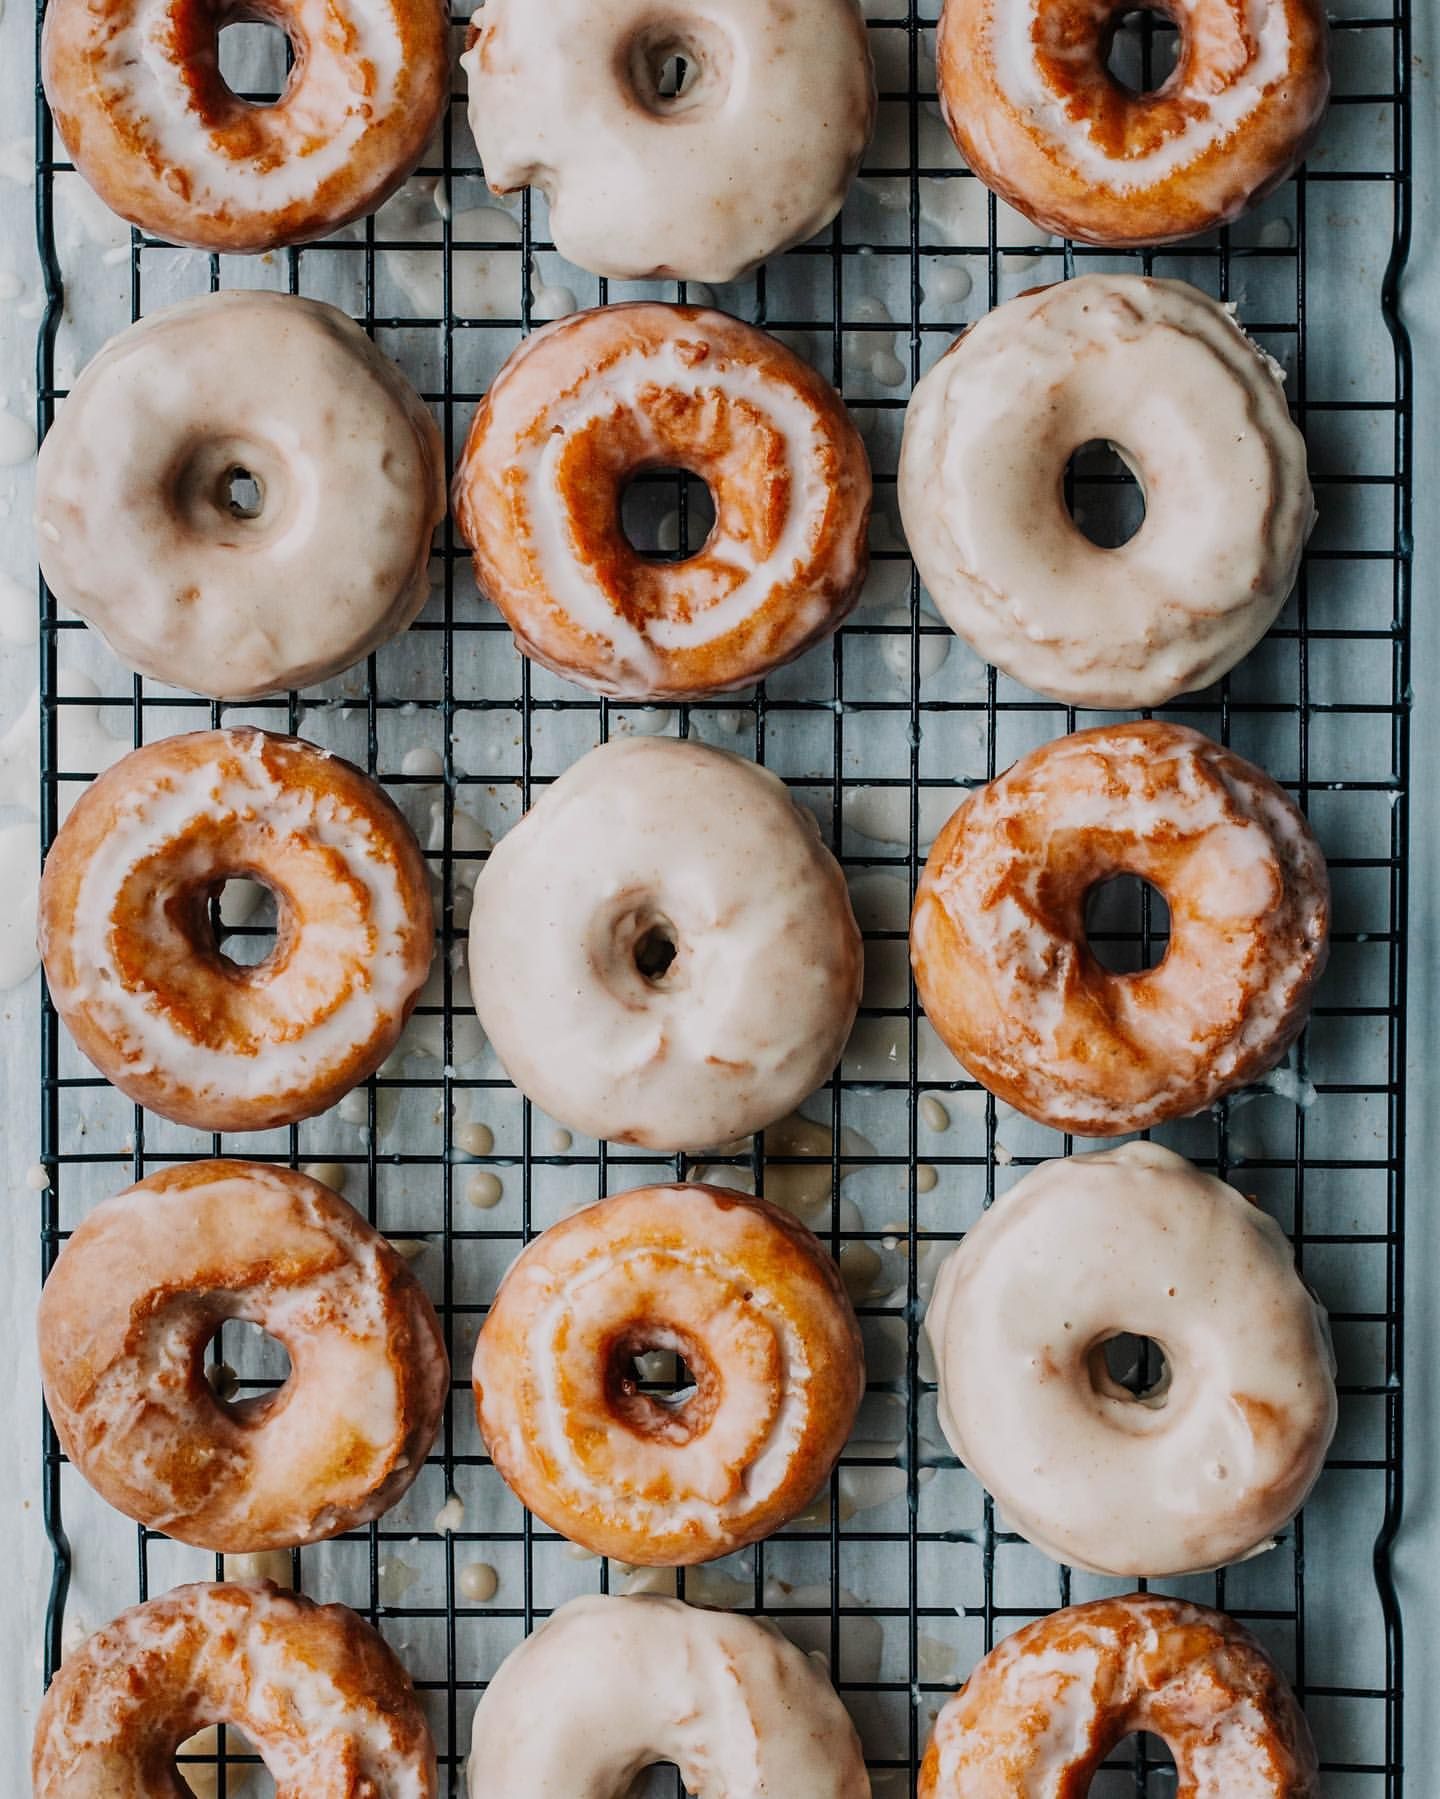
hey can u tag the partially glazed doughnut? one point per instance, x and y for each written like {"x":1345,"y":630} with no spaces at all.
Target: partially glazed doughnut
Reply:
{"x":141,"y":1288}
{"x":754,"y":154}
{"x":317,"y":1692}
{"x":1040,"y":118}
{"x":151,"y":124}
{"x":1197,"y":411}
{"x":662,"y":951}
{"x":1047,"y":1705}
{"x":739,"y":1710}
{"x":997,"y":938}
{"x":755,"y":1309}
{"x":130,"y":953}
{"x":137,"y":528}
{"x":1203,"y":1469}
{"x":588,"y":403}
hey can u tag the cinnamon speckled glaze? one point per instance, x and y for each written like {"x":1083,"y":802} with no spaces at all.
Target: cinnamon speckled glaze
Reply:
{"x":586,"y":404}
{"x":318,"y":1694}
{"x":133,"y":512}
{"x":1048,"y":1704}
{"x":755,"y":153}
{"x":149,"y":121}
{"x":131,"y":957}
{"x":136,"y":1296}
{"x":752,"y":1305}
{"x":997,"y":937}
{"x":739,"y":1710}
{"x":1039,"y":117}
{"x":647,"y":844}
{"x":1219,"y":1456}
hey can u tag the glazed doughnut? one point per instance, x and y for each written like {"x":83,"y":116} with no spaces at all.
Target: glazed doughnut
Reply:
{"x":142,"y":1287}
{"x":997,"y":938}
{"x":752,"y":1305}
{"x":586,"y":404}
{"x":756,"y":153}
{"x":1199,"y":414}
{"x":1210,"y":1464}
{"x":317,"y":1693}
{"x":1047,"y":1705}
{"x":136,"y":526}
{"x":130,"y":954}
{"x":662,"y":951}
{"x":732,"y":1703}
{"x":1039,"y":117}
{"x":151,"y":124}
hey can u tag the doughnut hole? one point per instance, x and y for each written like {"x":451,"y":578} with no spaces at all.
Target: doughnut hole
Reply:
{"x":254,"y":54}
{"x":1129,"y":1367}
{"x":1141,"y":49}
{"x":667,"y":514}
{"x":247,"y":1367}
{"x":660,"y":1383}
{"x":656,"y":950}
{"x":1103,"y":494}
{"x":244,"y":921}
{"x":1127,"y":924}
{"x":673,"y":67}
{"x":231,"y":492}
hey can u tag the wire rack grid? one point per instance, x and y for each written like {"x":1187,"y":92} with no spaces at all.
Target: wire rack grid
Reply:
{"x":903,"y":1575}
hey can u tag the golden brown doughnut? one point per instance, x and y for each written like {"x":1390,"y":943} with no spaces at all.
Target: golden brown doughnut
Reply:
{"x":320,"y":1695}
{"x":1039,"y":117}
{"x":152,"y":125}
{"x":1047,"y":1705}
{"x":143,"y":1285}
{"x":131,"y":958}
{"x":997,"y":938}
{"x":583,"y":406}
{"x":746,"y":1297}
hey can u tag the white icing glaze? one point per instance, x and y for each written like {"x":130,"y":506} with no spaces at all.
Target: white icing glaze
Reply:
{"x":1133,"y":1240}
{"x":741,"y":1712}
{"x":751,"y":1015}
{"x":135,"y":529}
{"x":754,"y":155}
{"x":1166,"y":375}
{"x":734,"y":1288}
{"x":325,"y":1703}
{"x":305,"y":1019}
{"x":139,"y":1291}
{"x":1041,"y":1711}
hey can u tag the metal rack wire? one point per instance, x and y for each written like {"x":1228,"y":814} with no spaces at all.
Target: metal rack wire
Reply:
{"x":903,"y":1591}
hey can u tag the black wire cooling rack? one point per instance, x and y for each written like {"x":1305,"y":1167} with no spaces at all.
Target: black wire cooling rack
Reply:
{"x":906,"y":1576}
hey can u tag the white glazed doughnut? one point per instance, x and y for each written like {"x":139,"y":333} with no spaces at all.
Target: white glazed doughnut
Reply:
{"x":139,"y":1291}
{"x":154,"y":127}
{"x":662,"y":951}
{"x":1166,"y":375}
{"x":739,"y":1710}
{"x":137,"y":531}
{"x":318,"y":1692}
{"x":131,"y":956}
{"x":755,"y":154}
{"x":1205,"y":1469}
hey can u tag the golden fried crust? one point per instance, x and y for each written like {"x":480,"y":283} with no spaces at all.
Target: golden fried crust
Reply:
{"x":1049,"y":1703}
{"x":1101,"y":164}
{"x":746,"y":1296}
{"x":223,"y":174}
{"x":587,"y":404}
{"x":131,"y":957}
{"x":135,"y":1297}
{"x":319,"y":1694}
{"x":997,"y":937}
